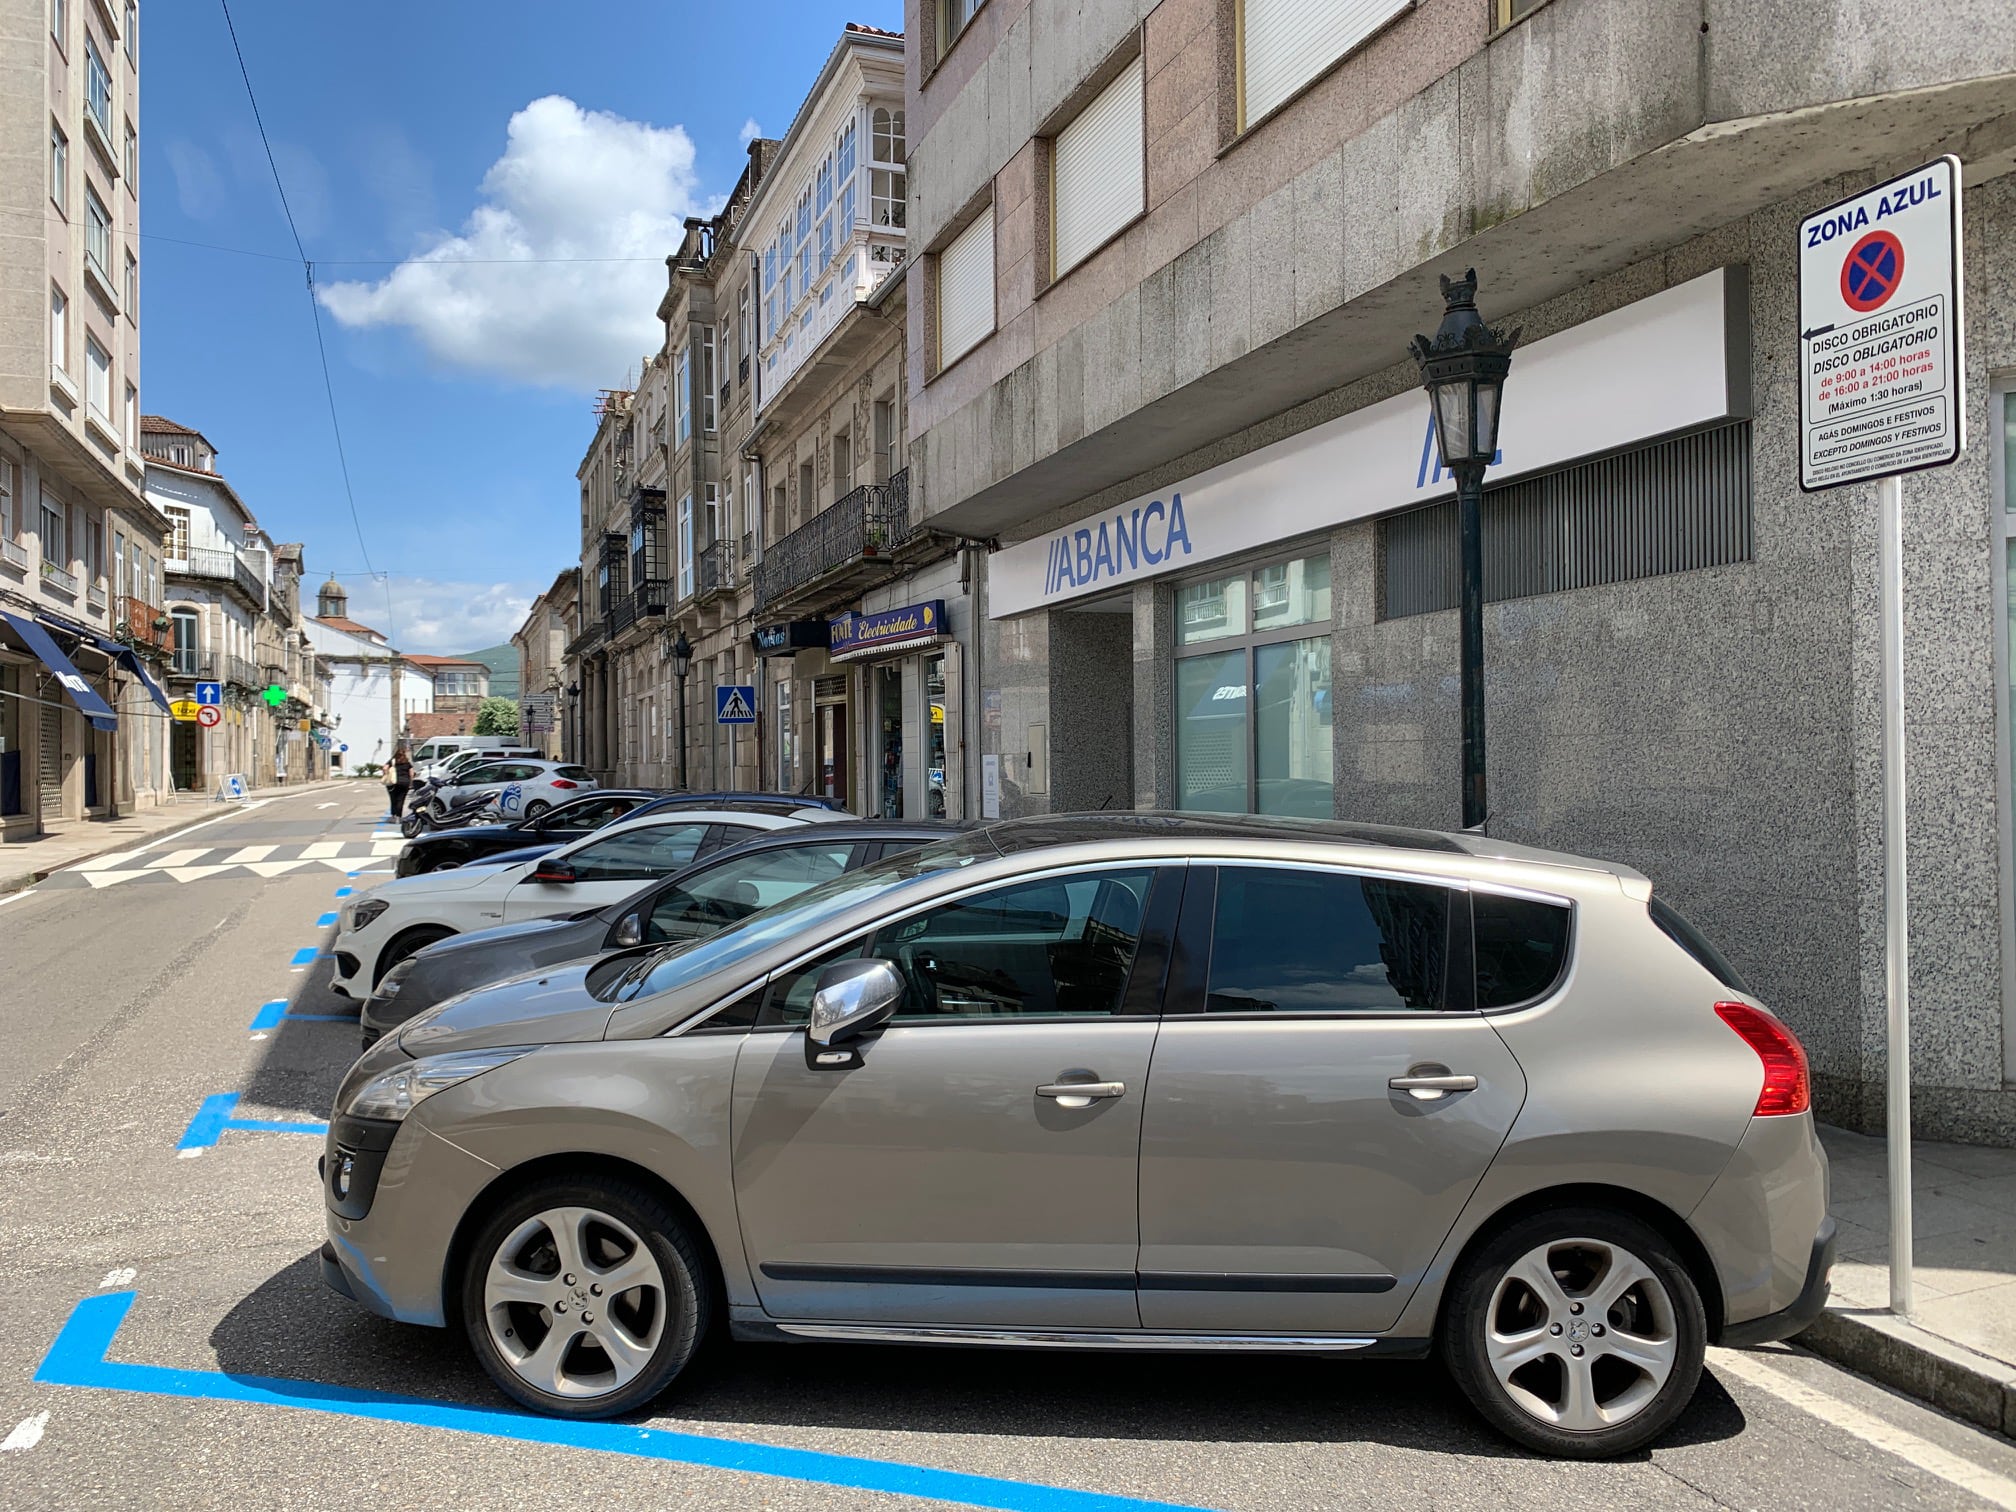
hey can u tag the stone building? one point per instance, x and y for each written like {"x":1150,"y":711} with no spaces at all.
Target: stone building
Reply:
{"x":548,"y":690}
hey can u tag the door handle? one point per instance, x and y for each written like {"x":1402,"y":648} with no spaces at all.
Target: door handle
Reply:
{"x":1081,"y":1094}
{"x":1427,"y":1086}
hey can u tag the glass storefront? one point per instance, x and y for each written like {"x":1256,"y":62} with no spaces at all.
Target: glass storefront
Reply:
{"x":1253,"y":717}
{"x":888,"y":685}
{"x":934,"y":752}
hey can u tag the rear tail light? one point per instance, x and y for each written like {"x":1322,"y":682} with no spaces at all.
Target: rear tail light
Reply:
{"x":1787,"y":1088}
{"x":561,"y":782}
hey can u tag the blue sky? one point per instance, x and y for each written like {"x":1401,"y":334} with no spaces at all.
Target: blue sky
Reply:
{"x":408,"y":135}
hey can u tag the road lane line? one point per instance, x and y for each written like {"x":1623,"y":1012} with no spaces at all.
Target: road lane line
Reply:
{"x":79,"y":1357}
{"x":26,"y":1435}
{"x":1999,"y":1490}
{"x":249,"y":853}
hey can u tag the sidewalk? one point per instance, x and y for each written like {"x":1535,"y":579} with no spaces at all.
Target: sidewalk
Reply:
{"x":1958,"y":1351}
{"x":23,"y":863}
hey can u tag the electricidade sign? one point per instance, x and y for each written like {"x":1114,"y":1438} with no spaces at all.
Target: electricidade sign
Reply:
{"x":1882,"y":376}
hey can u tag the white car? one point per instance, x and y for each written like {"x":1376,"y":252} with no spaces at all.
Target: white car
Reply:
{"x":380,"y":929}
{"x":525,"y":789}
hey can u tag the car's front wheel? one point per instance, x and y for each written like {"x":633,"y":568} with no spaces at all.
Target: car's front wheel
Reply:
{"x":1578,"y":1332}
{"x":584,"y":1298}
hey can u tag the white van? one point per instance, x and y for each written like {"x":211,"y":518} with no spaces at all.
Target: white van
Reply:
{"x":430,"y":753}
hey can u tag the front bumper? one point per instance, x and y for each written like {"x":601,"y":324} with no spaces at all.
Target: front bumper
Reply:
{"x":1810,"y":1303}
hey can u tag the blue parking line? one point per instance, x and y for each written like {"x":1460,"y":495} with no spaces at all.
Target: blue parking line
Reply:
{"x":344,"y":892}
{"x":215,"y":1116}
{"x":304,"y":955}
{"x":269,"y":1015}
{"x":325,"y":921}
{"x":78,"y":1358}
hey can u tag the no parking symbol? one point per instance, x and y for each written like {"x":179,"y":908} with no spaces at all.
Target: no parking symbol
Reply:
{"x":1871,"y":271}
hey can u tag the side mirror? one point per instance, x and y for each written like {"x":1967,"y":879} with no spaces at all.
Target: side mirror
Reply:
{"x":553,"y":871}
{"x":631,"y":930}
{"x":852,"y":998}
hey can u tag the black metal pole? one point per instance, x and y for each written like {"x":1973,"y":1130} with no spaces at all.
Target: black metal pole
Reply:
{"x":1470,"y":494}
{"x":682,"y":733}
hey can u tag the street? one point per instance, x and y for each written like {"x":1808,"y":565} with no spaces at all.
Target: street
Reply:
{"x":236,"y":1379}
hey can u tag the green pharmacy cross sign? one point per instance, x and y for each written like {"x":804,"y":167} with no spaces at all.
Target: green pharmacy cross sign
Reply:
{"x":275,"y":695}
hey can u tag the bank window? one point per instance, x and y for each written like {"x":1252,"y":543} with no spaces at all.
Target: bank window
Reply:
{"x":1253,"y":723}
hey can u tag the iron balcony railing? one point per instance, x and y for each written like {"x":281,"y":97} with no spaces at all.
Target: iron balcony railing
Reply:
{"x":185,"y":661}
{"x":240,"y":671}
{"x":714,"y":570}
{"x":223,"y":566}
{"x":864,"y":527}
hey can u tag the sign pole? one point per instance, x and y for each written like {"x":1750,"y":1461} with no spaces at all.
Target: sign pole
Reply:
{"x":1896,"y":905}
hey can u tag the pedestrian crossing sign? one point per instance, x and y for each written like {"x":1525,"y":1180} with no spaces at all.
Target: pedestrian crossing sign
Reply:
{"x":735,"y":705}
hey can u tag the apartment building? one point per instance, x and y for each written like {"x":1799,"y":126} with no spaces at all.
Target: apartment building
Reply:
{"x":1170,"y":258}
{"x":547,"y":687}
{"x":80,"y":726}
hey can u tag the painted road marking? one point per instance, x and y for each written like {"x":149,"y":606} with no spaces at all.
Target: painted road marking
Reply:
{"x":78,"y":1357}
{"x":26,"y":1435}
{"x":304,"y":955}
{"x":387,"y":847}
{"x":326,"y":920}
{"x":320,"y":849}
{"x":344,"y":892}
{"x":216,"y":1115}
{"x":270,"y":1015}
{"x":249,"y":853}
{"x":1926,"y":1455}
{"x":123,"y":1276}
{"x":178,"y":858}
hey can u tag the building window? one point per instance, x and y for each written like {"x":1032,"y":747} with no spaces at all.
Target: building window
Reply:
{"x":98,"y":235}
{"x":1253,"y":691}
{"x":131,"y":158}
{"x":178,"y":534}
{"x":686,"y":547}
{"x":1097,"y":177}
{"x":98,"y":89}
{"x":185,"y":641}
{"x":94,"y":549}
{"x":9,"y":482}
{"x":743,"y":343}
{"x":59,"y":168}
{"x":59,"y":330}
{"x":98,"y":378}
{"x":953,"y":18}
{"x":1509,"y":11}
{"x":132,"y":288}
{"x":55,"y":537}
{"x":704,"y":377}
{"x":966,"y":290}
{"x":1286,"y":44}
{"x":786,"y":776}
{"x":59,"y":22}
{"x":683,"y":397}
{"x":886,"y":154}
{"x":132,"y":33}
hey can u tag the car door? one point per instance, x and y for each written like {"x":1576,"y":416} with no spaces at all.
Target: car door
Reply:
{"x":1287,"y":1182}
{"x":948,"y":1176}
{"x":606,"y":870}
{"x":462,"y":783}
{"x":573,"y":820}
{"x":736,"y":886}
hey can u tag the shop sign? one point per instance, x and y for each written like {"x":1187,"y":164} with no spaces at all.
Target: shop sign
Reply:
{"x":888,"y":630}
{"x":1578,"y":393}
{"x":790,"y":638}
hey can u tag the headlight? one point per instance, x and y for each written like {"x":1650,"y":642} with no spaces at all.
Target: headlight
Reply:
{"x":388,"y":985}
{"x":395,"y":1093}
{"x":362,"y":913}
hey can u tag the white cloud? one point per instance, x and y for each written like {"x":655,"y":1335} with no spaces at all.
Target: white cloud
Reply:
{"x":750,"y":131}
{"x":442,"y":618}
{"x":199,"y":187}
{"x":572,"y":183}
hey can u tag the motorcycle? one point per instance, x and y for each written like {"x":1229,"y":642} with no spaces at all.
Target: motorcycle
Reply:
{"x":431,"y":811}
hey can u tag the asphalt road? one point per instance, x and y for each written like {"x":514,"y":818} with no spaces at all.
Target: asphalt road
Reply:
{"x":233,"y":1379}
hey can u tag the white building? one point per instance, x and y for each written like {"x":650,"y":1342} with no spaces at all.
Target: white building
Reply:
{"x":374,"y":689}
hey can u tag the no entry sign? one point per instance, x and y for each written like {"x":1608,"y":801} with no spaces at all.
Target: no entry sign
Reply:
{"x":1882,"y":378}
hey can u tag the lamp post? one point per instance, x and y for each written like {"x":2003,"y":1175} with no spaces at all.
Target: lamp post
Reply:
{"x":681,"y":652}
{"x":570,"y":738}
{"x":1463,"y":368}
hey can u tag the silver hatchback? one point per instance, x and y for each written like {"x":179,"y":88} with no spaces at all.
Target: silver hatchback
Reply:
{"x":1117,"y":1081}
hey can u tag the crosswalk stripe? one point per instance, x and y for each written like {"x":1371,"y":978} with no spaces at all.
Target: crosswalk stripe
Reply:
{"x":110,"y":879}
{"x":105,"y":863}
{"x":250,"y":853}
{"x":322,"y":849}
{"x":273,"y":868}
{"x":178,"y":858}
{"x":387,"y":847}
{"x":193,"y":873}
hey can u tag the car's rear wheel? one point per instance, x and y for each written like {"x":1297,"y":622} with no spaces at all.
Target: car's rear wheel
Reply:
{"x":1579,"y":1332}
{"x":537,"y":807}
{"x":584,"y":1298}
{"x":401,"y":946}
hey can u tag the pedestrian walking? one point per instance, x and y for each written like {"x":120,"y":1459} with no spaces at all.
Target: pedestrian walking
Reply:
{"x":398,"y":779}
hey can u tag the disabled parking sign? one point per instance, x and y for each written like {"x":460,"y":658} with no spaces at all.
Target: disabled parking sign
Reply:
{"x":1882,"y":378}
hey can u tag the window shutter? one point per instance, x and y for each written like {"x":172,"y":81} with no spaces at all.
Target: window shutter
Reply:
{"x":1286,"y":43}
{"x":966,"y":290}
{"x":1096,"y":174}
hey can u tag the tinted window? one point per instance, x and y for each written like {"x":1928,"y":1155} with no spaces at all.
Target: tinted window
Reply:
{"x":1290,"y":941}
{"x":1695,"y":943}
{"x":476,"y":774}
{"x":638,"y":853}
{"x":1521,"y":946}
{"x":586,"y":815}
{"x":572,"y":773}
{"x":730,"y":892}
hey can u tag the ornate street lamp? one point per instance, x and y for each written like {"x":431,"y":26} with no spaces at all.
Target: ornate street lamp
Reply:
{"x":681,"y":652}
{"x":1463,"y":368}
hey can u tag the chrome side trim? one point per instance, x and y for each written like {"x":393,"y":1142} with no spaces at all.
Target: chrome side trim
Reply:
{"x":1062,"y":1338}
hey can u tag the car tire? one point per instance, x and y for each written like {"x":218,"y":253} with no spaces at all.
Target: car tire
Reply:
{"x":440,"y":866}
{"x":537,"y":807}
{"x":412,"y":942}
{"x":1577,"y":1332}
{"x":620,"y":1228}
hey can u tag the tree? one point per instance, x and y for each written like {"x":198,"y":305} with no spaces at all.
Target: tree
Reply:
{"x":497,"y":716}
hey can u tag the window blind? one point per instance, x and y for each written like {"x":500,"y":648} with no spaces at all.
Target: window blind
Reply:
{"x":1286,"y":43}
{"x":1096,"y":175}
{"x":966,"y":290}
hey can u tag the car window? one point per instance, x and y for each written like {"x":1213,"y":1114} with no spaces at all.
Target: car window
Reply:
{"x":731,"y":891}
{"x":587,"y":814}
{"x":1521,"y":946}
{"x":573,"y":773}
{"x":1287,"y":940}
{"x":639,"y":853}
{"x":470,"y":776}
{"x":1695,"y":943}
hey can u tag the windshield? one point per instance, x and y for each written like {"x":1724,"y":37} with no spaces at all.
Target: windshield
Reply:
{"x":683,"y":962}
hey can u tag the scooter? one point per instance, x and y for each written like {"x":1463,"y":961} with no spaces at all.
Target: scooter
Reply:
{"x":430,"y":811}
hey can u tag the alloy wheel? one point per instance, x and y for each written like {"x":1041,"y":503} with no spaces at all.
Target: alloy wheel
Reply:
{"x":1581,"y":1334}
{"x":575,"y":1302}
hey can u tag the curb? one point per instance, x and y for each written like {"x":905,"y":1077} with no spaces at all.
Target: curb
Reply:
{"x":1900,"y":1354}
{"x":21,"y":881}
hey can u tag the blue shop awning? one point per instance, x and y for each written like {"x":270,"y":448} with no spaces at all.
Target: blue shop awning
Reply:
{"x":128,"y":658}
{"x":81,"y":692}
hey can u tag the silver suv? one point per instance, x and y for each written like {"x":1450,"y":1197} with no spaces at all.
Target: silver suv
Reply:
{"x":1134,"y":1081}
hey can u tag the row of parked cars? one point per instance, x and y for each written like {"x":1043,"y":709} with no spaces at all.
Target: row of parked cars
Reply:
{"x":649,"y":1066}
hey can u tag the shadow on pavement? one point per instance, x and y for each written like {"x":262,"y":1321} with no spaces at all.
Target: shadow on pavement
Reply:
{"x":294,"y":1328}
{"x":303,"y":1059}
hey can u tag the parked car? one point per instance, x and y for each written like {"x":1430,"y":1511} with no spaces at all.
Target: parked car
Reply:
{"x":567,"y":820}
{"x":714,"y":892}
{"x":524,"y":788}
{"x":781,"y":800}
{"x":437,"y":749}
{"x":381,"y":928}
{"x":1164,"y":1082}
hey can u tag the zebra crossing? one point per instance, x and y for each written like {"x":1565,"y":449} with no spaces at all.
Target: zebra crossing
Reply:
{"x":201,"y":863}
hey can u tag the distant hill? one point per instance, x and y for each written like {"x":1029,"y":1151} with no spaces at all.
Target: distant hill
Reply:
{"x":503,"y":664}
